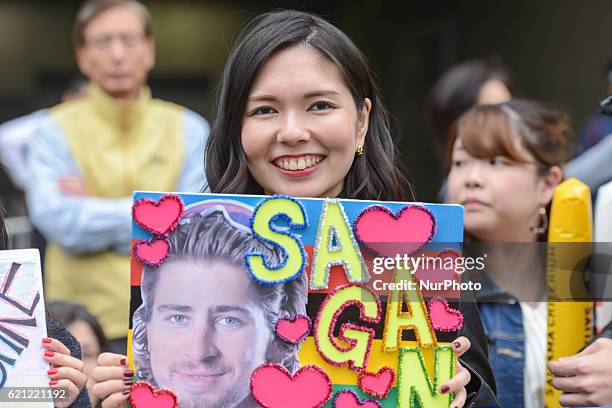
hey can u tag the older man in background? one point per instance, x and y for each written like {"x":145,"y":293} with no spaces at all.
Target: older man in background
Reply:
{"x":89,"y":155}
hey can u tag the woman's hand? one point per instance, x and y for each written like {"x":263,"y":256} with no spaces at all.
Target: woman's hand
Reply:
{"x":462,"y":375}
{"x":66,"y":371}
{"x":586,"y":378}
{"x":112,"y":380}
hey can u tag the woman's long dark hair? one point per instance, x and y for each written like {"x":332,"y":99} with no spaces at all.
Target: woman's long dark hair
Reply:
{"x":377,"y":175}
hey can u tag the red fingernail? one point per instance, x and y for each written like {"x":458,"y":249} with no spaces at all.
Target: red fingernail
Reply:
{"x":52,"y":371}
{"x":126,"y":392}
{"x":49,"y":353}
{"x":128,"y":374}
{"x":444,"y":389}
{"x":128,"y":382}
{"x":52,"y":382}
{"x":47,"y":340}
{"x":456,"y":344}
{"x":123,"y":362}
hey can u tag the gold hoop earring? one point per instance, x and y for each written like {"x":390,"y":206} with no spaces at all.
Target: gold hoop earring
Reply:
{"x":543,"y":224}
{"x":359,"y":150}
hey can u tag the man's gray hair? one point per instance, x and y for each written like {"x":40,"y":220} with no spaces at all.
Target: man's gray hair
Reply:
{"x":93,"y":8}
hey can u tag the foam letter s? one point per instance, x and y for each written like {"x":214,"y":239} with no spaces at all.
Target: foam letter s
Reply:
{"x":294,"y":259}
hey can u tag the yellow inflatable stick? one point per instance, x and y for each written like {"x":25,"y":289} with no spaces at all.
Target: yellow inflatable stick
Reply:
{"x":569,"y":323}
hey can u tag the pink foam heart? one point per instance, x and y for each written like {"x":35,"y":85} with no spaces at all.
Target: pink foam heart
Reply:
{"x":144,"y":395}
{"x":443,"y":317}
{"x":378,"y":384}
{"x":273,"y":387}
{"x":431,"y":273}
{"x":349,"y":399}
{"x":389,"y":234}
{"x":158,"y":217}
{"x":294,"y":330}
{"x":152,"y":252}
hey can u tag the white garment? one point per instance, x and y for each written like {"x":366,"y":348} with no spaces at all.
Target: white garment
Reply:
{"x":601,"y":276}
{"x":534,"y":374}
{"x":15,"y":136}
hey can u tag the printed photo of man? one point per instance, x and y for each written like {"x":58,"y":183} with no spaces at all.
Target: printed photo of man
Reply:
{"x":204,"y":324}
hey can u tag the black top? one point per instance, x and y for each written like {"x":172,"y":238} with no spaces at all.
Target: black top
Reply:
{"x":56,"y":330}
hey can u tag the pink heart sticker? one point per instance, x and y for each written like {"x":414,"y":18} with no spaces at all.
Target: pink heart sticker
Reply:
{"x":273,"y":387}
{"x":143,"y":395}
{"x":378,"y":384}
{"x":294,"y":330}
{"x":430,"y":271}
{"x":389,"y":234}
{"x":349,"y":399}
{"x":152,"y":252}
{"x":158,"y":217}
{"x":443,"y":317}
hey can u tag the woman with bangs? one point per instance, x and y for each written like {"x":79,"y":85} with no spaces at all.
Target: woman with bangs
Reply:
{"x":505,"y":165}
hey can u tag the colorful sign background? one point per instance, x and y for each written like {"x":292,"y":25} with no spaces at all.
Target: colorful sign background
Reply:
{"x":448,"y":235}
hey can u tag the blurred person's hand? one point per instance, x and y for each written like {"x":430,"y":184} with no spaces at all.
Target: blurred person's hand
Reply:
{"x":66,"y":372}
{"x":462,"y":376}
{"x":112,"y":380}
{"x":73,"y":186}
{"x":586,"y":378}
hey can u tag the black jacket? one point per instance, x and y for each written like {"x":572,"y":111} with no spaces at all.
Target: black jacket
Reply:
{"x":56,"y":330}
{"x":481,"y":390}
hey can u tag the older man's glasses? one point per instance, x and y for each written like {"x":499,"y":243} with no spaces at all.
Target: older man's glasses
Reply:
{"x":105,"y":42}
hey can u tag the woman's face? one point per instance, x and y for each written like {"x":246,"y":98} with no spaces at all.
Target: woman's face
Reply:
{"x":501,"y":197}
{"x":301,"y":126}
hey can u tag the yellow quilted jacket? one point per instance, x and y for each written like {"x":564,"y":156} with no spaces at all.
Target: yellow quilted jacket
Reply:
{"x":118,"y":148}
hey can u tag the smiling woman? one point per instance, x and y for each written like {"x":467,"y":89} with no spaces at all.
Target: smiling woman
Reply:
{"x":298,"y":113}
{"x":297,"y":90}
{"x":301,"y":139}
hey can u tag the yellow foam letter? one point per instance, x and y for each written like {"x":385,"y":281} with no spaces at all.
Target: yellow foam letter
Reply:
{"x":358,"y":338}
{"x":415,"y":319}
{"x":336,"y":245}
{"x":414,"y":387}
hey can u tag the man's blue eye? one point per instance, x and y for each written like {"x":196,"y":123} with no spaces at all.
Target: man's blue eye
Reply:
{"x":229,"y":321}
{"x":178,"y":319}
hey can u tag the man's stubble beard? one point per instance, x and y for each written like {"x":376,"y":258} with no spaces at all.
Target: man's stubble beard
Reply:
{"x":238,"y":394}
{"x":233,"y":399}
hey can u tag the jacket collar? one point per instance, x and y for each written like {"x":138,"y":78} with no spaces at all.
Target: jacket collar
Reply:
{"x":124,"y":114}
{"x":490,"y":291}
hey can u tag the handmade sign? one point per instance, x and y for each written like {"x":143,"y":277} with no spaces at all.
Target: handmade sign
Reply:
{"x":22,"y":327}
{"x":277,"y":301}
